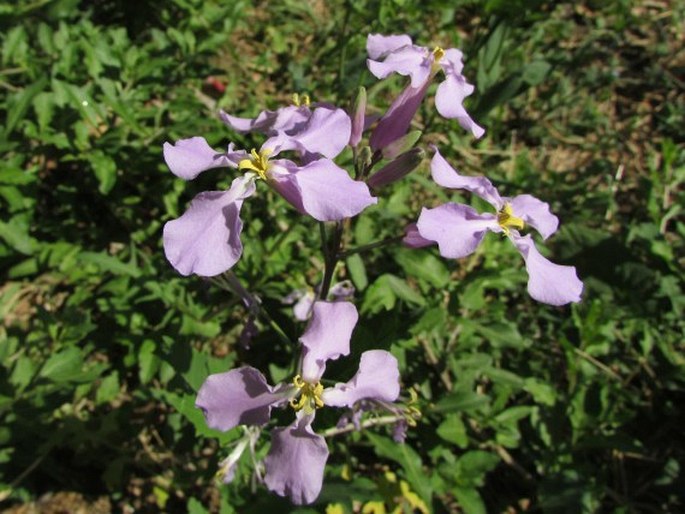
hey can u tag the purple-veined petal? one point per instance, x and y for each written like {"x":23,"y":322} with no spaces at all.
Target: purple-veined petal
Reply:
{"x":413,"y":239}
{"x":549,"y":283}
{"x":295,"y":463}
{"x":448,"y":101}
{"x":395,"y":123}
{"x":446,"y":176}
{"x":321,"y":189}
{"x":378,"y":378}
{"x":458,"y":229}
{"x":205,"y":240}
{"x":187,"y":158}
{"x":326,"y":132}
{"x":378,"y":45}
{"x":327,"y":336}
{"x":536,"y":213}
{"x":411,"y":61}
{"x":238,"y":397}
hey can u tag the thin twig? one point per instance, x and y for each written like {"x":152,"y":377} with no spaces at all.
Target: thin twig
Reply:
{"x":373,"y":422}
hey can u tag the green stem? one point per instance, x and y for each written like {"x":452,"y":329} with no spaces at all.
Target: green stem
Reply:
{"x":373,"y":422}
{"x":330,"y":257}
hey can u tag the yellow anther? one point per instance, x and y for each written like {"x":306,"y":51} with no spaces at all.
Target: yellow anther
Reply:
{"x":507,"y":220}
{"x":310,"y":396}
{"x":438,"y":53}
{"x":299,"y":100}
{"x":259,"y":162}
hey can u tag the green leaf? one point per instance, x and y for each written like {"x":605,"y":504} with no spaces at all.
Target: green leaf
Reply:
{"x":108,"y":390}
{"x":453,"y":431}
{"x":18,"y":103}
{"x":357,"y":270}
{"x":63,"y":366}
{"x":461,"y":401}
{"x":424,"y":266}
{"x":535,"y":72}
{"x":105,"y":170}
{"x":108,"y":263}
{"x":410,"y":461}
{"x":470,"y":500}
{"x":15,"y":234}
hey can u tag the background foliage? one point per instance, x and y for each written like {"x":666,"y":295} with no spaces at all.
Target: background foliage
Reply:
{"x":525,"y":407}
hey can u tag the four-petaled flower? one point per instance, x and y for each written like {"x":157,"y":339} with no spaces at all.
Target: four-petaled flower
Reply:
{"x":458,"y":229}
{"x":295,"y":463}
{"x":205,"y":240}
{"x":397,"y":54}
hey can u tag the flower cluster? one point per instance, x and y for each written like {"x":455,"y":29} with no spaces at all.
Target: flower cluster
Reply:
{"x":206,"y":241}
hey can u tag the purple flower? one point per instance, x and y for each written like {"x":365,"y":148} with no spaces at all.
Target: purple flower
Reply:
{"x":459,"y":229}
{"x":296,"y":460}
{"x":397,"y":54}
{"x":205,"y":240}
{"x":324,"y":130}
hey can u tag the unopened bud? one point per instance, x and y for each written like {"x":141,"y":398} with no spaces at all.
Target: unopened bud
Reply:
{"x":358,"y":115}
{"x":401,"y":145}
{"x":395,"y":170}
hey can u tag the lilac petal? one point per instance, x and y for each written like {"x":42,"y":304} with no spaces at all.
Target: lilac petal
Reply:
{"x":327,"y":336}
{"x":448,"y":101}
{"x":303,"y":308}
{"x":295,"y":463}
{"x":452,"y":62}
{"x":205,"y":240}
{"x":271,"y":123}
{"x":549,"y":283}
{"x":238,"y":397}
{"x":322,"y":189}
{"x":326,"y":132}
{"x":411,"y":61}
{"x":413,"y":239}
{"x":446,"y":176}
{"x":188,"y":158}
{"x":378,"y":378}
{"x":378,"y":45}
{"x":395,"y":123}
{"x":536,"y":213}
{"x":458,"y":229}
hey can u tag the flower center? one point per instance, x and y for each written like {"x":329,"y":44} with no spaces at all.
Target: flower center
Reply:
{"x":310,"y":396}
{"x":300,"y":100}
{"x":438,"y":53}
{"x":259,"y":162}
{"x":507,"y":220}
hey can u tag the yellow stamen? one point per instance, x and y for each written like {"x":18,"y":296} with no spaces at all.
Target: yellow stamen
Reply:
{"x":438,"y":53}
{"x":310,"y":396}
{"x":299,"y":100}
{"x":259,"y":163}
{"x":507,"y":220}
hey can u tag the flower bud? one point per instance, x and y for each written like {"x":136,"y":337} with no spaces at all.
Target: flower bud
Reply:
{"x":358,"y":115}
{"x":395,"y":170}
{"x":401,"y":145}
